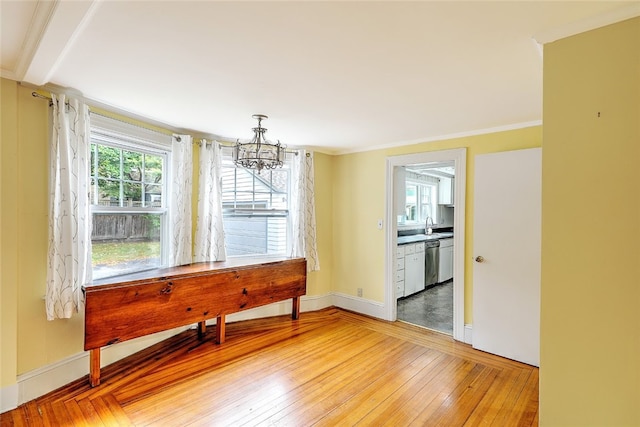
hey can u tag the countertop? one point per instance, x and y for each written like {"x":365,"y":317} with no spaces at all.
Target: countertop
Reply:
{"x":415,"y":238}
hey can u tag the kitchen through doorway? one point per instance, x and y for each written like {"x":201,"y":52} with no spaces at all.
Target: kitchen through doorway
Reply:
{"x":426,"y":211}
{"x":425,"y":194}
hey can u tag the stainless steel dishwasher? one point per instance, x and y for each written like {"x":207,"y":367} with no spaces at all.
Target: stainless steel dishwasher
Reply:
{"x":431,"y":260}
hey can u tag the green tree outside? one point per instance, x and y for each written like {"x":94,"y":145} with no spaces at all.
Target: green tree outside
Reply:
{"x":137,"y":175}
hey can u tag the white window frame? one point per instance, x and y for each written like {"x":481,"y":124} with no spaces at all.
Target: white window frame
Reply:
{"x":117,"y":134}
{"x":260,"y":212}
{"x":434,"y":198}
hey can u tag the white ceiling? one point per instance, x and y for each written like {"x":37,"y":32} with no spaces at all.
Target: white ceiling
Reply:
{"x":337,"y":76}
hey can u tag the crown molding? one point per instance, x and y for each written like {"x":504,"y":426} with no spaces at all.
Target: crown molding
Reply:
{"x":581,"y":26}
{"x":443,"y":137}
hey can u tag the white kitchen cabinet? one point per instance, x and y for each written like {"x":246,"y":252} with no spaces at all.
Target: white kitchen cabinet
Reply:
{"x":446,"y":191}
{"x":399,"y":272}
{"x":445,"y":268}
{"x":414,"y":265}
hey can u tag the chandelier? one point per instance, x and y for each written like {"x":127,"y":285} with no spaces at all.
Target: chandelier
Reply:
{"x":259,"y":153}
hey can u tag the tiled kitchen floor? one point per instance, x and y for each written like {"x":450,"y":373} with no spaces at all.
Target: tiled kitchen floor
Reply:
{"x":431,"y":308}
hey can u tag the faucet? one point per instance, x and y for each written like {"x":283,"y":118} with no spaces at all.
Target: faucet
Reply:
{"x":427,"y":229}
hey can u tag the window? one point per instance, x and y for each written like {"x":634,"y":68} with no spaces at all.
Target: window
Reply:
{"x":255,"y":209}
{"x":128,"y":203}
{"x":421,"y":200}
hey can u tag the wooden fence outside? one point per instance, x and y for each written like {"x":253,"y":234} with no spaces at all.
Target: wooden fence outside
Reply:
{"x":132,"y":227}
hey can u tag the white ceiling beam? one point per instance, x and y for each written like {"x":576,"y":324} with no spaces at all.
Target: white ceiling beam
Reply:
{"x":53,"y":29}
{"x":37,"y":25}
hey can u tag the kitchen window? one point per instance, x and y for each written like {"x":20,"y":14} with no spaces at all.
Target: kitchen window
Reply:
{"x":421,"y":201}
{"x":255,"y":209}
{"x":128,"y":199}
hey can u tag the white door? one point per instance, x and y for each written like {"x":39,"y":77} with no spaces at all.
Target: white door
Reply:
{"x":506,"y":250}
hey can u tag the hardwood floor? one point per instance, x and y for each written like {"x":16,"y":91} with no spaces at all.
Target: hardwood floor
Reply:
{"x":331,"y":367}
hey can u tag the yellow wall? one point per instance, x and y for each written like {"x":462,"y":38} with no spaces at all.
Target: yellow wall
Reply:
{"x":590,"y":300}
{"x":8,"y":234}
{"x":359,"y":201}
{"x":38,"y":342}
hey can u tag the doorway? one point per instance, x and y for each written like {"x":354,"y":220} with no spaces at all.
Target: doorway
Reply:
{"x":457,"y":159}
{"x":426,"y":211}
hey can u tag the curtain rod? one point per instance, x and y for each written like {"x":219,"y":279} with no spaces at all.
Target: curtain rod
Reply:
{"x":222,"y":141}
{"x":93,"y":111}
{"x":226,"y":144}
{"x":37,"y":95}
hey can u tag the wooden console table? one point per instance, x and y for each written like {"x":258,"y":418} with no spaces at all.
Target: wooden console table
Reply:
{"x":133,"y":305}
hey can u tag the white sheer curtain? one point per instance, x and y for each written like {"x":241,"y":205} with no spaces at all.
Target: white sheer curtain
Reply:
{"x":180,"y":204}
{"x":209,"y":226}
{"x":303,"y":210}
{"x":69,"y":251}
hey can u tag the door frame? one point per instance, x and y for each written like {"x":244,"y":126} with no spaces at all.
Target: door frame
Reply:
{"x":459,"y":157}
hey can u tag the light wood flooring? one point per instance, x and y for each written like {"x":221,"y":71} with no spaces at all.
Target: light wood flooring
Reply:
{"x":330,"y":368}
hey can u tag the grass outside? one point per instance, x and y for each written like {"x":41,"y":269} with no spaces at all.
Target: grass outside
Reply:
{"x":119,"y":252}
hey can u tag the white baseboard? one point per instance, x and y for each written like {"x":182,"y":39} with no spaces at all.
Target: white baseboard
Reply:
{"x":38,"y":382}
{"x":359,"y":305}
{"x":468,"y":337}
{"x":8,"y":398}
{"x":43,"y":380}
{"x":307,"y":303}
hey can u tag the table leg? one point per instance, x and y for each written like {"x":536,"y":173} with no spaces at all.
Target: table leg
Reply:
{"x":295,"y":310}
{"x":94,"y":367}
{"x":220,"y":329}
{"x":202,"y":329}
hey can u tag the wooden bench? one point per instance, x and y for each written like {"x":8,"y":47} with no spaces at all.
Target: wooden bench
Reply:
{"x":134,"y":305}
